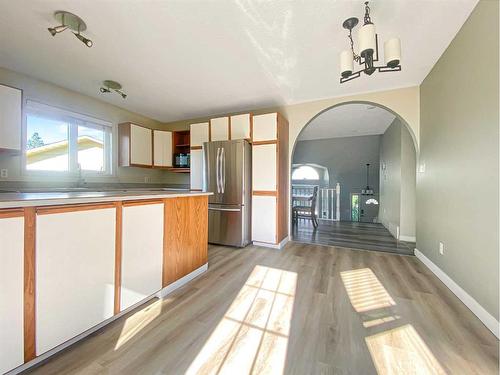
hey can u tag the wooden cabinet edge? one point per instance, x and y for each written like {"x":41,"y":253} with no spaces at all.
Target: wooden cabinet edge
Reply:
{"x":118,"y":256}
{"x":29,"y":284}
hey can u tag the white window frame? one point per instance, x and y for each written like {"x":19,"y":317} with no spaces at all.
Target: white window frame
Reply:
{"x":74,"y":120}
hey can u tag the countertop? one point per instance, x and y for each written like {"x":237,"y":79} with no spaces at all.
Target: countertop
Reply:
{"x":15,"y":200}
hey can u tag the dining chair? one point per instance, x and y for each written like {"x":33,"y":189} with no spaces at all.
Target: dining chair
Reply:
{"x":307,"y":212}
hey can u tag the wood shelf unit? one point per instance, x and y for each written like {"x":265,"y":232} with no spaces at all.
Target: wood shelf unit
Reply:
{"x":178,"y":170}
{"x":181,"y":142}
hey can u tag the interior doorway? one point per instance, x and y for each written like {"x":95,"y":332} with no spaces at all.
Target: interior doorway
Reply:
{"x":369,"y":156}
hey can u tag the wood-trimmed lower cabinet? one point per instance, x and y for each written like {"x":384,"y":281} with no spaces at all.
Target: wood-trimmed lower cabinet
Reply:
{"x":11,"y":289}
{"x":186,"y":237}
{"x":141,"y":252}
{"x":264,"y":219}
{"x":75,"y":269}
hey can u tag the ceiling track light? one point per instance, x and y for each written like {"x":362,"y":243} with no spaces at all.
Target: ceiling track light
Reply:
{"x":70,"y":21}
{"x":108,"y":86}
{"x":368,"y":47}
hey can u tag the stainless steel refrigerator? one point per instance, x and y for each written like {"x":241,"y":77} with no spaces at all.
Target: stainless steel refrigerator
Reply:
{"x":228,"y":166}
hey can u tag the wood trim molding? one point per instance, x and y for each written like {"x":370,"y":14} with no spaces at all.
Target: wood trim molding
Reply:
{"x":270,"y":142}
{"x":11,"y":212}
{"x":251,"y":128}
{"x":209,"y":130}
{"x":142,"y":202}
{"x":265,"y":193}
{"x":48,"y":210}
{"x":29,"y":284}
{"x":118,"y":257}
{"x":229,"y":128}
{"x":196,"y":147}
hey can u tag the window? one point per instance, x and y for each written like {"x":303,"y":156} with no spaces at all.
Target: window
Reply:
{"x":62,"y":141}
{"x":305,"y":173}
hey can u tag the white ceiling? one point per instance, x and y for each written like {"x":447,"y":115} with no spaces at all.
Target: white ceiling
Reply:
{"x":182,"y":59}
{"x":348,"y":120}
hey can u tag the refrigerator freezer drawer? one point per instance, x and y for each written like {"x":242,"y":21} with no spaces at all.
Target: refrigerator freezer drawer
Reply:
{"x":226,"y":226}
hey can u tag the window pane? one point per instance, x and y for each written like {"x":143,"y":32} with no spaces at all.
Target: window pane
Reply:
{"x":91,"y":148}
{"x":305,"y":173}
{"x":46,"y":144}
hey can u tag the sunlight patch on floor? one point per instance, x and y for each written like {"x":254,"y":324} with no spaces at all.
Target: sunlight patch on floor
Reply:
{"x":365,"y":290}
{"x":252,"y":338}
{"x":136,"y":322}
{"x":378,"y":321}
{"x":402,"y":351}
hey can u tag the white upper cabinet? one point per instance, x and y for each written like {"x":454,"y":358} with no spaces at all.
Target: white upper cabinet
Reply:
{"x":162,"y":148}
{"x":264,"y":167}
{"x":10,"y":118}
{"x":11,"y":292}
{"x":240,"y":126}
{"x":199,"y":133}
{"x":265,"y":127}
{"x":219,"y":129}
{"x":75,"y":273}
{"x":142,"y":252}
{"x":141,"y":145}
{"x":135,"y":145}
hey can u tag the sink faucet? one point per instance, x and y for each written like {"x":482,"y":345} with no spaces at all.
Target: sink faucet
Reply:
{"x":81,"y":181}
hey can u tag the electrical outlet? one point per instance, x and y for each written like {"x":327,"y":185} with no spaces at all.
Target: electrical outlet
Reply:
{"x":441,"y":248}
{"x":147,"y":179}
{"x":4,"y":173}
{"x":421,"y":168}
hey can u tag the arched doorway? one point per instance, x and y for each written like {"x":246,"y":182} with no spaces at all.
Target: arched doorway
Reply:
{"x":370,"y":155}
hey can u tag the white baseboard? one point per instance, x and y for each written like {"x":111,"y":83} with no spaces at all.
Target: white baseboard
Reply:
{"x":278,"y":246}
{"x":407,"y":238}
{"x":160,"y":294}
{"x":488,"y":320}
{"x":182,"y":281}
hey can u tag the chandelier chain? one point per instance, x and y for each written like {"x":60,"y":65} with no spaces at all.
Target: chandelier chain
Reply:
{"x":367,"y":18}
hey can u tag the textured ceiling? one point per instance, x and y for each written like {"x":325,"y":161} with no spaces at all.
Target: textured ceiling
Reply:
{"x":188,"y":58}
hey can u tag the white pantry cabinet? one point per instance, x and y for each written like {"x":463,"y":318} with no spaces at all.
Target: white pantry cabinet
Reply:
{"x":199,"y":133}
{"x":142,"y":252}
{"x":11,"y":291}
{"x":265,"y":127}
{"x":75,"y":263}
{"x":10,"y":118}
{"x":219,"y":129}
{"x":269,"y":178}
{"x":240,"y":126}
{"x":264,"y":167}
{"x":197,"y":172}
{"x":264,"y":219}
{"x":162,"y":148}
{"x":135,"y":145}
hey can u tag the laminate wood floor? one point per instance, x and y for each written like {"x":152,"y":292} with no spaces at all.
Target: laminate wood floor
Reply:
{"x":307,"y":309}
{"x":354,"y":235}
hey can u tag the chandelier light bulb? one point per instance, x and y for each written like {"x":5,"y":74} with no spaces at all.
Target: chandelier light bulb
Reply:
{"x":392,"y":52}
{"x":367,"y":40}
{"x":346,"y":63}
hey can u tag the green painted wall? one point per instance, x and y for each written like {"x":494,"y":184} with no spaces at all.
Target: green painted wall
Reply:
{"x":457,"y":195}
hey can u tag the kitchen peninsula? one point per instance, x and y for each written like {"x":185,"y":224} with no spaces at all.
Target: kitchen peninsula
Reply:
{"x":75,"y":261}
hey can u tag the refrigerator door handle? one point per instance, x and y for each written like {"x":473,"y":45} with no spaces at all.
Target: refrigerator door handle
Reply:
{"x":217,"y":161}
{"x":223,"y":171}
{"x":224,"y":209}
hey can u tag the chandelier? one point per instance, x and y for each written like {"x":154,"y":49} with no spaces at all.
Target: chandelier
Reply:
{"x":368,"y":50}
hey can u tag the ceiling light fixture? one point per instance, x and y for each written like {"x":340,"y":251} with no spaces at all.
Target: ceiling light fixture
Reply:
{"x":368,"y":50}
{"x":73,"y":22}
{"x":108,"y":86}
